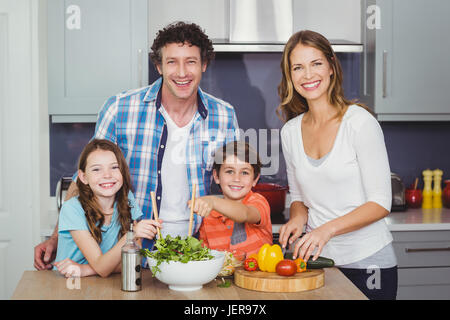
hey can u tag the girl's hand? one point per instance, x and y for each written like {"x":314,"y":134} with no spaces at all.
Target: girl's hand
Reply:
{"x":290,"y":231}
{"x":146,"y":228}
{"x":69,"y":268}
{"x":312,"y":240}
{"x":203,"y":205}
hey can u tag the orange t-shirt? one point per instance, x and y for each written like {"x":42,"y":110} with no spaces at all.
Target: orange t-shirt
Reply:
{"x":221,"y":233}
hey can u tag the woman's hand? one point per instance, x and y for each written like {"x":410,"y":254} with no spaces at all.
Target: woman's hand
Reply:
{"x":312,"y":240}
{"x":147,"y":228}
{"x":69,"y":268}
{"x":203,"y":205}
{"x":290,"y":231}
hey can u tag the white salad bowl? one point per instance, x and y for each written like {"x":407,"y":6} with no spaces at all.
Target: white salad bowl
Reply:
{"x":189,"y":276}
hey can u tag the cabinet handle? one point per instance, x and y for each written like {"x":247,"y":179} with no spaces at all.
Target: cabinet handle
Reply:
{"x":426,"y":249}
{"x":385,"y":53}
{"x":140,"y":67}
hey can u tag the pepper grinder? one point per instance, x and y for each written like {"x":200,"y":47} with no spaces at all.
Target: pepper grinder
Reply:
{"x":131,"y":264}
{"x":427,"y":193}
{"x":437,"y":190}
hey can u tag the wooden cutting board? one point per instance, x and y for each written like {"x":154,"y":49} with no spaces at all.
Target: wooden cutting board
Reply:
{"x":272,"y":282}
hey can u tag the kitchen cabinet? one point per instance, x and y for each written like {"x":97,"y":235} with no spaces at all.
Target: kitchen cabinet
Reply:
{"x":95,"y":49}
{"x":407,"y":73}
{"x":423,"y":264}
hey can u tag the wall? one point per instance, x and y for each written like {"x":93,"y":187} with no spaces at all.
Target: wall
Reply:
{"x":415,"y":146}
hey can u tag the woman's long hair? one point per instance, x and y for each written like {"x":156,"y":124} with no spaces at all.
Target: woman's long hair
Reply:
{"x":292,"y":103}
{"x":93,"y":212}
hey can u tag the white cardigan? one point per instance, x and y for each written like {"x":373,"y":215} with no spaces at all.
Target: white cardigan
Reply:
{"x":355,"y":171}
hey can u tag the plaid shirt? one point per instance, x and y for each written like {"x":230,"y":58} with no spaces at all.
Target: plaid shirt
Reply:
{"x":134,"y":122}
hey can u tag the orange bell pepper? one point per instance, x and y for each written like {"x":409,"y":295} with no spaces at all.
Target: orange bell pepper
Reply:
{"x":253,"y":255}
{"x":301,"y":264}
{"x":269,"y":256}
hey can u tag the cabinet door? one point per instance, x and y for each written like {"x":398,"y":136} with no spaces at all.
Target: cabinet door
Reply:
{"x":423,"y":283}
{"x":96,"y":49}
{"x":412,"y":64}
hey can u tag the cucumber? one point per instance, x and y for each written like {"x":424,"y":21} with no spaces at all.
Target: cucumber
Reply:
{"x":320,"y":262}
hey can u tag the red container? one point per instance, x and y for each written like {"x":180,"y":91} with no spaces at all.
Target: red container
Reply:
{"x":446,"y":194}
{"x":275,"y":195}
{"x":413,"y":198}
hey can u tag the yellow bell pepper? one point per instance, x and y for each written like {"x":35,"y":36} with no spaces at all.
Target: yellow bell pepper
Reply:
{"x":269,"y":256}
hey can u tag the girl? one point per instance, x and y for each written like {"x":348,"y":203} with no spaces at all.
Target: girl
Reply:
{"x":337,"y":167}
{"x":241,"y":220}
{"x":92,"y":226}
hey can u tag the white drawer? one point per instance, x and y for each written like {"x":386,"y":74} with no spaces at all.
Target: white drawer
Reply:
{"x":432,"y":292}
{"x":422,"y":254}
{"x":423,"y":283}
{"x":423,"y":276}
{"x":422,"y":248}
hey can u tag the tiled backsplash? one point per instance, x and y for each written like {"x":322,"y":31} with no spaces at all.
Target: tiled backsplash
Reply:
{"x":249,"y":82}
{"x":67,"y":140}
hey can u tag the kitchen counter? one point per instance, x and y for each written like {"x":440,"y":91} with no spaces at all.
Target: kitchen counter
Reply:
{"x":409,"y":220}
{"x":50,"y":285}
{"x":419,"y":220}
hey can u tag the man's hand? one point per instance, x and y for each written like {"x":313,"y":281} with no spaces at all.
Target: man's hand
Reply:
{"x":45,"y":253}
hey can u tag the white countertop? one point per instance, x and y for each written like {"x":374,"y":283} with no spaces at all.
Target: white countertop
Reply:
{"x":419,"y":220}
{"x":410,"y":220}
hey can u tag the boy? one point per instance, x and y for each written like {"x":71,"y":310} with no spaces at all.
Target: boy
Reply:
{"x":241,"y":220}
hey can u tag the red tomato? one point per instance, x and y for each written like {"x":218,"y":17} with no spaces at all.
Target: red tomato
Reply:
{"x":286,"y":268}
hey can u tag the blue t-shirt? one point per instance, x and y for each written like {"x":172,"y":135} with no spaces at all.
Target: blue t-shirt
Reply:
{"x":72,"y":217}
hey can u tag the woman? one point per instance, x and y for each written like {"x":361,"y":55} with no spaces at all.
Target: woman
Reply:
{"x":337,"y":168}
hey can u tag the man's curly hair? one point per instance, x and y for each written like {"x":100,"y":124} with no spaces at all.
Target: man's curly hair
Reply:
{"x":181,"y":32}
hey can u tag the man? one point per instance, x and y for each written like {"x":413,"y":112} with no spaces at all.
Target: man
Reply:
{"x":168,"y":133}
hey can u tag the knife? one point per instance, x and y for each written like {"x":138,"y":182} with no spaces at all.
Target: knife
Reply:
{"x":289,"y":255}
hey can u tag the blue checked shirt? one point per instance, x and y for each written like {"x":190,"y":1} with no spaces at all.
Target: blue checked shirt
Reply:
{"x":134,"y":122}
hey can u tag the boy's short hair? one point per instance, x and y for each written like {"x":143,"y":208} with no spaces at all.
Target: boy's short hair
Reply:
{"x":243,"y":151}
{"x":181,"y":32}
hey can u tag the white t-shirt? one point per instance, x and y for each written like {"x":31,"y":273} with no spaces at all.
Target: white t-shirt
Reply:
{"x":355,"y":171}
{"x":174,"y":210}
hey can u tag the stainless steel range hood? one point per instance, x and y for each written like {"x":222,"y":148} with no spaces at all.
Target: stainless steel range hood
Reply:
{"x":223,"y":45}
{"x":265,"y":26}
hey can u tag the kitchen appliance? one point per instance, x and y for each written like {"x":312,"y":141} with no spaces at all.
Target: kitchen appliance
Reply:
{"x":261,"y":21}
{"x":275,"y":195}
{"x":250,"y":25}
{"x":131,"y":264}
{"x":398,"y":193}
{"x":61,"y":190}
